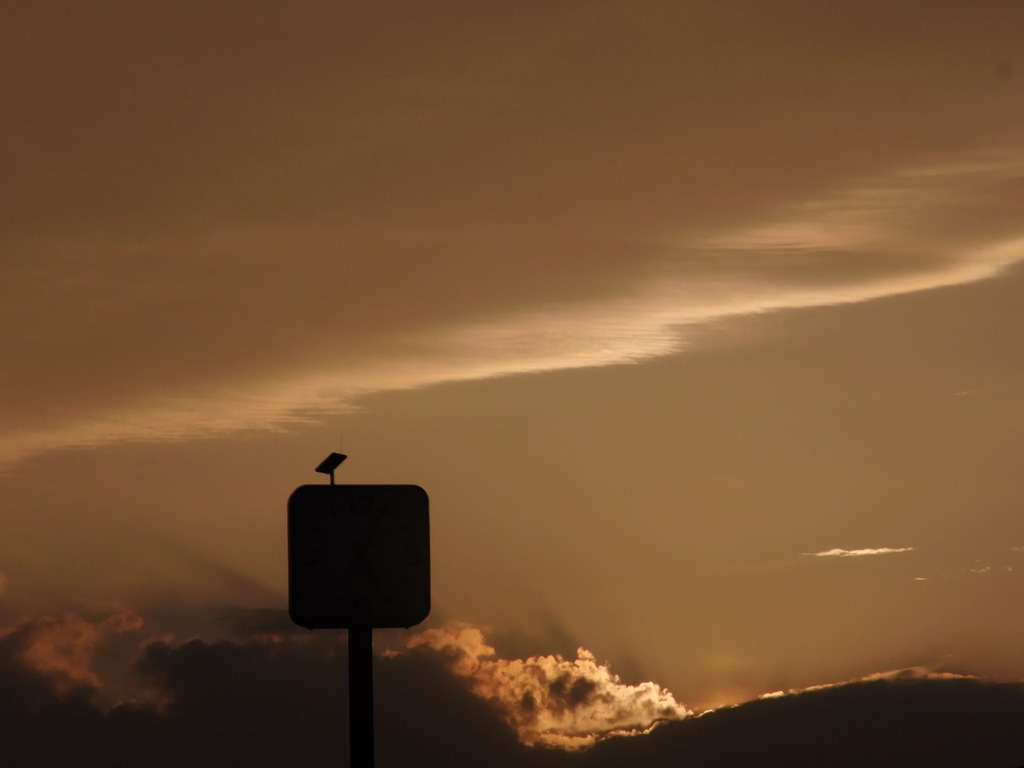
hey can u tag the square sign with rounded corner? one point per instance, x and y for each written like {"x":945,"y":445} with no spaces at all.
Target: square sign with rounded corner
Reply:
{"x":358,"y":556}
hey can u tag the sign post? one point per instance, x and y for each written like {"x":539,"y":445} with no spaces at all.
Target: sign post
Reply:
{"x":360,"y":697}
{"x":358,"y":558}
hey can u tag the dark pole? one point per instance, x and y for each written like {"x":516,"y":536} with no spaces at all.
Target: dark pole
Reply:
{"x":360,"y":697}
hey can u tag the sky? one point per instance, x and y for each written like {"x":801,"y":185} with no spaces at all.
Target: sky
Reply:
{"x":698,"y":322}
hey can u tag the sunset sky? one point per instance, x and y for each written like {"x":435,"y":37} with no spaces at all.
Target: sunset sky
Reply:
{"x":700,"y":323}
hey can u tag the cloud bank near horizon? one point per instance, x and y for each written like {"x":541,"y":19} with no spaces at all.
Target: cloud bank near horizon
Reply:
{"x":268,"y":699}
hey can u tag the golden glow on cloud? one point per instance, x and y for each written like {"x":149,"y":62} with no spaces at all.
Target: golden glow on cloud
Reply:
{"x":549,"y":700}
{"x":906,"y":673}
{"x":858,"y":552}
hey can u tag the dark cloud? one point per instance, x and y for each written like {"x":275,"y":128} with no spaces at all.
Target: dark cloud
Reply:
{"x":284,"y":702}
{"x":254,"y":703}
{"x":903,"y":722}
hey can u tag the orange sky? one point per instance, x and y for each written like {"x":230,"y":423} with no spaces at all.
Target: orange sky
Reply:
{"x":670,"y":308}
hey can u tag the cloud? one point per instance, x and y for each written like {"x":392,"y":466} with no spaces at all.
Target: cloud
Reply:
{"x":858,"y":552}
{"x":549,"y":700}
{"x":61,"y":648}
{"x":858,"y":243}
{"x":887,"y":723}
{"x":268,"y":702}
{"x":905,"y":673}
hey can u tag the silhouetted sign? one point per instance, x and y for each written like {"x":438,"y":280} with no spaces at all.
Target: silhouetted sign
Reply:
{"x":358,"y":556}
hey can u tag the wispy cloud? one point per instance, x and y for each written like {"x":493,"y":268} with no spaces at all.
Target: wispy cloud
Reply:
{"x":858,"y":552}
{"x":746,"y":270}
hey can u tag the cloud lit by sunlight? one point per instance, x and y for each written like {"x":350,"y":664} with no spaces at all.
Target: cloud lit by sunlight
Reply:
{"x":858,"y":552}
{"x":549,"y":700}
{"x":905,"y":673}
